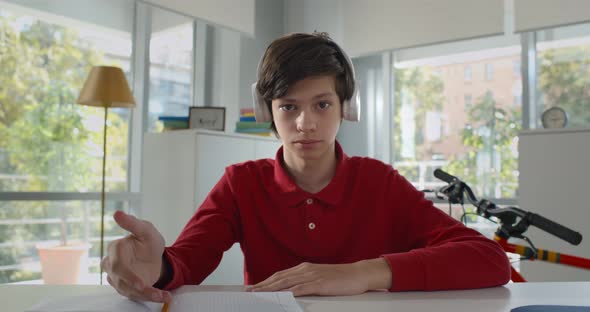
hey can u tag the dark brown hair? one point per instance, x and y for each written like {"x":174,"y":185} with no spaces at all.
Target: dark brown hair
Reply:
{"x":297,"y":56}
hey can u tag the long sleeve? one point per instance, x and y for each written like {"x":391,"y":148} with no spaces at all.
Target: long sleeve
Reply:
{"x":443,"y":253}
{"x":212,"y":230}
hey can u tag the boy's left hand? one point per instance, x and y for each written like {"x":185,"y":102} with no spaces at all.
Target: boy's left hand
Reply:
{"x":318,"y":279}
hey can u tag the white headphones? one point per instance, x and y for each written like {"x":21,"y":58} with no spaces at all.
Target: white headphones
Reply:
{"x":351,"y":109}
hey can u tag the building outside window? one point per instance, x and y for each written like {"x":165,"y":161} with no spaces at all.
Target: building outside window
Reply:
{"x":481,"y":144}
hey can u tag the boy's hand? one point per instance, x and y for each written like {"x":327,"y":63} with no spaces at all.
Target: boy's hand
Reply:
{"x":134,"y":263}
{"x":329,"y":279}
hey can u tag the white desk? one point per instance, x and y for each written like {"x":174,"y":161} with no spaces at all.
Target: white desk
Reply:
{"x":20,"y":297}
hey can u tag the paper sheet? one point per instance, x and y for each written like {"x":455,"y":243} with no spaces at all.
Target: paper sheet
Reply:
{"x":235,"y":301}
{"x":218,"y":301}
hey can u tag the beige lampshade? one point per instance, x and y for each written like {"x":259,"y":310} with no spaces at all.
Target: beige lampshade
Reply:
{"x":106,"y":86}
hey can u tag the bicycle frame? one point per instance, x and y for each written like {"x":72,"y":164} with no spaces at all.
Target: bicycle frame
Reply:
{"x":542,"y":255}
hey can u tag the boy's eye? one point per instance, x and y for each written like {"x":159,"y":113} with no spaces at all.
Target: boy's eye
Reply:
{"x":287,"y":107}
{"x":323,"y":105}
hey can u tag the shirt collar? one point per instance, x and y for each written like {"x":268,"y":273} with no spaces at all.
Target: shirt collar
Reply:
{"x":292,"y":194}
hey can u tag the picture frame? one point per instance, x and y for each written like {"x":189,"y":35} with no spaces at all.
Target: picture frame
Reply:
{"x":205,"y":117}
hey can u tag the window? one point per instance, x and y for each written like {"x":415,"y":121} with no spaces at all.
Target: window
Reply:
{"x":489,"y":71}
{"x":481,"y":144}
{"x":516,"y":68}
{"x":48,"y":143}
{"x":467,"y":73}
{"x":563,"y":57}
{"x":171,"y":53}
{"x":517,"y":100}
{"x":434,"y":131}
{"x":517,"y":92}
{"x":468,"y":99}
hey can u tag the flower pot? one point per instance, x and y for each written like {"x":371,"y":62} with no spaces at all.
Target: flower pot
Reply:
{"x":63,"y":264}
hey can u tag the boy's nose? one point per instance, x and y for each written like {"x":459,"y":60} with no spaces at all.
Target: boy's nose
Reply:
{"x":306,"y":122}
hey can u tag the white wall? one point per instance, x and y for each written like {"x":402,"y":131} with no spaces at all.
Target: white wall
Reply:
{"x":232,"y":60}
{"x":366,"y":27}
{"x":224,"y":78}
{"x":234,"y":14}
{"x":269,"y":25}
{"x":314,"y":15}
{"x":354,"y":136}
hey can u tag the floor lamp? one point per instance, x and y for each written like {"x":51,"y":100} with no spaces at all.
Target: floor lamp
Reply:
{"x":106,"y":87}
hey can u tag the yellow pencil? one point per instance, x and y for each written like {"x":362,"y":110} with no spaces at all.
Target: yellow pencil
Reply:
{"x":165,"y":307}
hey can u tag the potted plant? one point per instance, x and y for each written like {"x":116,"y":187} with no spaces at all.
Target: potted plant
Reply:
{"x":65,"y":262}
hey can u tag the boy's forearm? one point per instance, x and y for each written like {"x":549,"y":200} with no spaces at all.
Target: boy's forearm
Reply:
{"x":377,"y":273}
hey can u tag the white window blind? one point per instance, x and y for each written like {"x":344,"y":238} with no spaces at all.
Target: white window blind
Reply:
{"x":538,"y":14}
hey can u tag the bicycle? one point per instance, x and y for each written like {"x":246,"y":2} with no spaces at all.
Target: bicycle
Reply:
{"x":513,"y":222}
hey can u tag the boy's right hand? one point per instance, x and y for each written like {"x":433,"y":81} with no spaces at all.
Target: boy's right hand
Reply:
{"x":134,"y":263}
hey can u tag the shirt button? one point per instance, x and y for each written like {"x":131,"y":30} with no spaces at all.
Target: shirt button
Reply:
{"x":311,"y":225}
{"x":309,"y":201}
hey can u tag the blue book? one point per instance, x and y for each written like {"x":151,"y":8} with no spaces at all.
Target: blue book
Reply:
{"x":247,"y":118}
{"x":172,"y":118}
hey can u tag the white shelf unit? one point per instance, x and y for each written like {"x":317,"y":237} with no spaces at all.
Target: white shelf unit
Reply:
{"x":180,"y":168}
{"x":555,"y":183}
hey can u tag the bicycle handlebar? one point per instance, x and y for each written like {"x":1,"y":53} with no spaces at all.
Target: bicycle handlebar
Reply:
{"x":486,"y":208}
{"x":442,"y":175}
{"x":555,"y":228}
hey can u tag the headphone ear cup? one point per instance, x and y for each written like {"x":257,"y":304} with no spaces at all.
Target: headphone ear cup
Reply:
{"x":261,"y":111}
{"x":351,"y":109}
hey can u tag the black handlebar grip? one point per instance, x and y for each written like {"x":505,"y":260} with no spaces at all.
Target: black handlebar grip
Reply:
{"x":441,"y":175}
{"x":554,"y":228}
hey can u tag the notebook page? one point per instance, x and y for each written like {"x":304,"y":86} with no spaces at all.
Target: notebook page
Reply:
{"x":224,"y":301}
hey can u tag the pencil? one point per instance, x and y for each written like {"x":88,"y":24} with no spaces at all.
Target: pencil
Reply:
{"x":165,"y":307}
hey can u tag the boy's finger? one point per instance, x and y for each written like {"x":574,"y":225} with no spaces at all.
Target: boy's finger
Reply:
{"x":131,"y":224}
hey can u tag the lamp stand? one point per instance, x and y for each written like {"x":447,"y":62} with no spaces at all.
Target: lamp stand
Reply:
{"x":102,"y":193}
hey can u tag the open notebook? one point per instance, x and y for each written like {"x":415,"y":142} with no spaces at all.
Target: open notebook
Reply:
{"x":202,"y":301}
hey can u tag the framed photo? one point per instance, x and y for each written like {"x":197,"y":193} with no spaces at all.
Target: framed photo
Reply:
{"x":212,"y":118}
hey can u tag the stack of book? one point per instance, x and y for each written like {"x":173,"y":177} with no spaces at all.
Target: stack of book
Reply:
{"x":173,"y":122}
{"x":248,"y":124}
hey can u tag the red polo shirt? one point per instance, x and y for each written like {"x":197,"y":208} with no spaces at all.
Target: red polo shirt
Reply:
{"x":367,"y":211}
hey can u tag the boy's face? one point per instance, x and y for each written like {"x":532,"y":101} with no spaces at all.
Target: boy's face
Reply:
{"x":308,"y":117}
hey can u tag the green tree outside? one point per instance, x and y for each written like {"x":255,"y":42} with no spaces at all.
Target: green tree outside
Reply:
{"x":423,"y":88}
{"x":45,"y":135}
{"x":564,"y":80}
{"x":491,"y":131}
